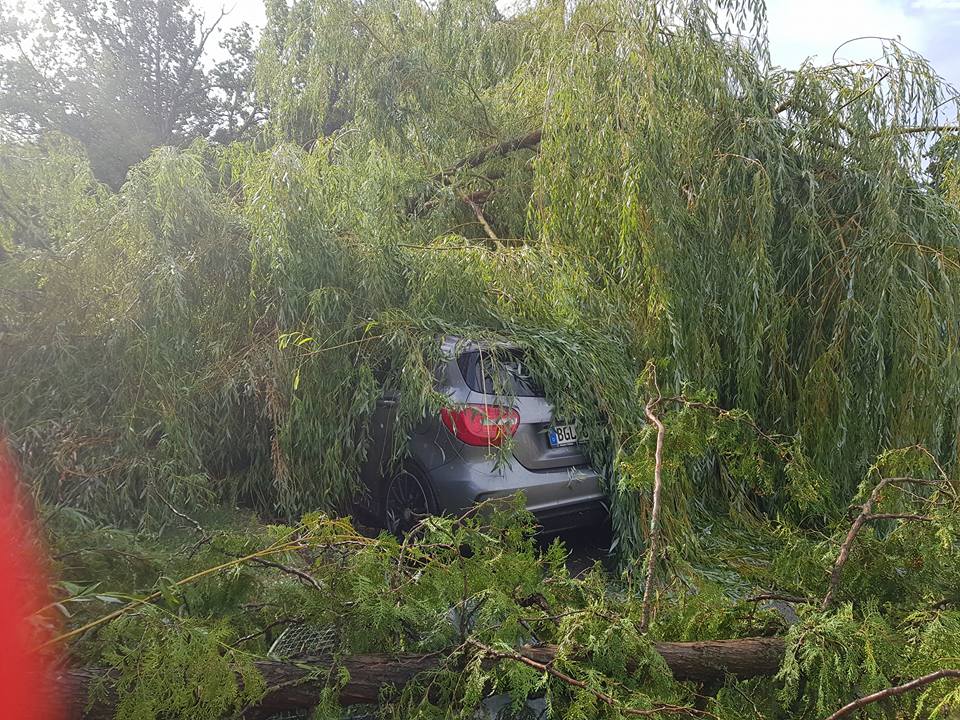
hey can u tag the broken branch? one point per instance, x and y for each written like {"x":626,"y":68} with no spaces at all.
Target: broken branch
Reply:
{"x":893,"y":691}
{"x":90,"y":693}
{"x":862,"y":519}
{"x":654,"y":539}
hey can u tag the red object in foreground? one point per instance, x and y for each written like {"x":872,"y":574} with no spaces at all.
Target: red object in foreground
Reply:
{"x":27,"y":687}
{"x":481,"y":425}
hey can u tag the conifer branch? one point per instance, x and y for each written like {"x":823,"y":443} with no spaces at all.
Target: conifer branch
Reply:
{"x":866,"y":515}
{"x":573,"y":682}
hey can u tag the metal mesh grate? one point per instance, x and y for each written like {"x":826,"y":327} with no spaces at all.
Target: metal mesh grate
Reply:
{"x":297,"y":640}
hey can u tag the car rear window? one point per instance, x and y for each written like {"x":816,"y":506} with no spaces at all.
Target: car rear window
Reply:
{"x":500,"y":372}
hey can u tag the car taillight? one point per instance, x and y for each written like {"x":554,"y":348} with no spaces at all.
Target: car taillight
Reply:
{"x":481,"y":424}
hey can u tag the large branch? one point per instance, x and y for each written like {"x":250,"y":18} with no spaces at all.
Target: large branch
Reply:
{"x":528,"y":141}
{"x":297,"y":685}
{"x":522,"y":142}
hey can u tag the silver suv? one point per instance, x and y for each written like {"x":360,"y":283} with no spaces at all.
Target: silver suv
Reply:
{"x":456,"y":458}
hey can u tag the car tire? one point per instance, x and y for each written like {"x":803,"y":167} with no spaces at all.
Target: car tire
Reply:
{"x":406,"y":498}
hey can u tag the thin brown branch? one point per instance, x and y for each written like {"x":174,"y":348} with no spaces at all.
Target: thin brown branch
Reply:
{"x":914,"y":130}
{"x":865,"y":516}
{"x":899,"y":516}
{"x":530,"y":141}
{"x":478,"y":213}
{"x":653,"y":542}
{"x":511,"y":145}
{"x":773,"y":439}
{"x":894,"y":691}
{"x":267,"y":628}
{"x":178,"y":513}
{"x":785,"y":105}
{"x":863,"y":92}
{"x":796,"y":599}
{"x":295,"y":572}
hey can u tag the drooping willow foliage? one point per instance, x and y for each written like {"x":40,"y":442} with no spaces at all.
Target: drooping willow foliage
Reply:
{"x":221,"y":327}
{"x":626,"y":188}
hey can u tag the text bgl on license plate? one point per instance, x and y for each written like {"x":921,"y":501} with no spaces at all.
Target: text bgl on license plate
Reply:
{"x":562,"y":435}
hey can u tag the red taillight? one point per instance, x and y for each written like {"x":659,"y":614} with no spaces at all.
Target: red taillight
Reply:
{"x":481,"y":424}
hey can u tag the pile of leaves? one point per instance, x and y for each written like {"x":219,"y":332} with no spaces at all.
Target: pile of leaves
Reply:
{"x":628,"y":190}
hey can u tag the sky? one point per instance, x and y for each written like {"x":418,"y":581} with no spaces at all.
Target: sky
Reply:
{"x":799,"y":28}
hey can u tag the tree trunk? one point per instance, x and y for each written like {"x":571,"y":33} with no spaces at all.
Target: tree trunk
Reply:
{"x":295,"y":687}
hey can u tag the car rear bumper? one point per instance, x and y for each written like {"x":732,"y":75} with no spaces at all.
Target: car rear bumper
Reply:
{"x":560,"y":498}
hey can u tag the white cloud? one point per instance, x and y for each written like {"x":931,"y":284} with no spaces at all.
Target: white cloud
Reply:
{"x":935,"y":5}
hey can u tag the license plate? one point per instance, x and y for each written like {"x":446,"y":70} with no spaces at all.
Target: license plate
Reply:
{"x":562,"y":435}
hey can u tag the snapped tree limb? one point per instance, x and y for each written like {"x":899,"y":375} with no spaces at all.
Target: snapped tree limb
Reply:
{"x":528,"y":141}
{"x":90,"y":694}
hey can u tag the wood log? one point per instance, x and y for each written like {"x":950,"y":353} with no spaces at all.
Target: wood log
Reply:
{"x":88,"y":693}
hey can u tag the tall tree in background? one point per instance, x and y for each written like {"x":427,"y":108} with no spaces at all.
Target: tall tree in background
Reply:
{"x":120,"y":76}
{"x":237,"y":108}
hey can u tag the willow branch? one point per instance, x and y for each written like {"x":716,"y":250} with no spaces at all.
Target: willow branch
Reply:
{"x":894,"y":691}
{"x":522,"y":142}
{"x":530,"y":141}
{"x":795,"y":599}
{"x":478,"y":213}
{"x":915,"y":129}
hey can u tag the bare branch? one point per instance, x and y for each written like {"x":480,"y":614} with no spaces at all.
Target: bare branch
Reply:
{"x":899,"y":516}
{"x":530,"y":141}
{"x":479,"y":215}
{"x":653,"y":542}
{"x":893,"y":691}
{"x":915,"y":129}
{"x":865,"y":516}
{"x":178,"y":513}
{"x":305,"y":577}
{"x":796,"y":599}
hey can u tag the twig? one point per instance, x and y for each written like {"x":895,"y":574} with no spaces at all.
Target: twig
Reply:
{"x":777,"y":596}
{"x":654,"y":540}
{"x":773,"y":439}
{"x":267,"y":628}
{"x":785,"y":105}
{"x":178,"y":513}
{"x":862,"y":93}
{"x":280,"y":546}
{"x":899,"y":516}
{"x":306,"y":577}
{"x":915,"y":129}
{"x":530,"y":141}
{"x":894,"y":691}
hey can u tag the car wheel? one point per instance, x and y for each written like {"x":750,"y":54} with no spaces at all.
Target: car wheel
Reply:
{"x":407,"y":499}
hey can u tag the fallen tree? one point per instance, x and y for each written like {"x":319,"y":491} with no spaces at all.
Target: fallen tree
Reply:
{"x":297,"y":685}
